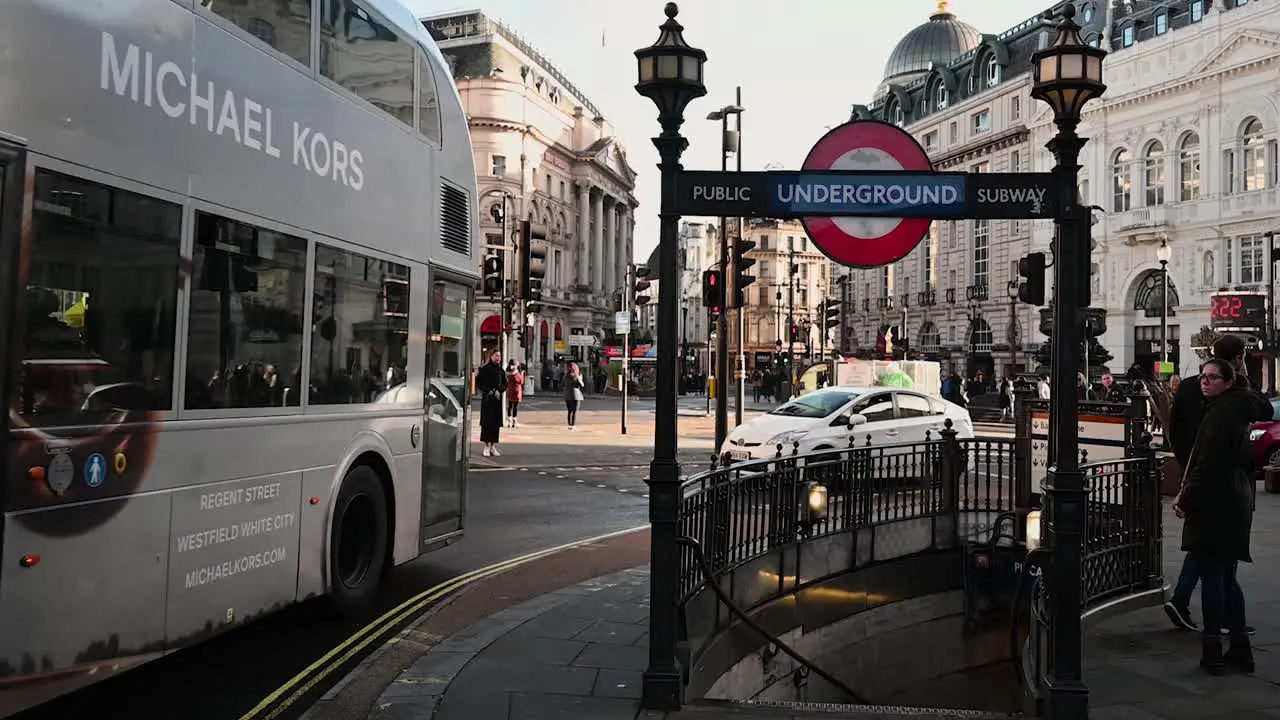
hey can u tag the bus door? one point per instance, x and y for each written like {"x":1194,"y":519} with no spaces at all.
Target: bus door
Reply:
{"x":447,"y":417}
{"x":12,"y":171}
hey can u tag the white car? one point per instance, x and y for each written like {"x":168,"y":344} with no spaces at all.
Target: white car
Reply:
{"x":825,"y":420}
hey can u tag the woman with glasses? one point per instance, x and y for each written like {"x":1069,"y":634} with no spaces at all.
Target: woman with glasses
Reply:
{"x":1217,"y":500}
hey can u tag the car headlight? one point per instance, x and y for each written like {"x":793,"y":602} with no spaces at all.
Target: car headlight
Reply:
{"x":1255,"y":434}
{"x":789,"y":436}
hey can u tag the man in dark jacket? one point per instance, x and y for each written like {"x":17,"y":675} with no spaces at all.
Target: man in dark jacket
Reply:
{"x":1184,"y":423}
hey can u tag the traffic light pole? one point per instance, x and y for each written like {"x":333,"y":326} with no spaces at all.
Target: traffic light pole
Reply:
{"x":791,"y":321}
{"x":627,"y":289}
{"x":1271,"y":306}
{"x":722,"y":342}
{"x":508,"y":275}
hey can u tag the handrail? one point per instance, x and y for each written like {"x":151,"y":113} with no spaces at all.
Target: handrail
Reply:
{"x":742,"y":615}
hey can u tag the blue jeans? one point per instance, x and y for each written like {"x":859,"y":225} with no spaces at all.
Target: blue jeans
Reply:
{"x":1187,"y":579}
{"x":1221,"y":598}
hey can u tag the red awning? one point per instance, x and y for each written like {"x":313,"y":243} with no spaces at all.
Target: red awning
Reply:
{"x":491,"y":325}
{"x":559,"y":332}
{"x":542,"y":332}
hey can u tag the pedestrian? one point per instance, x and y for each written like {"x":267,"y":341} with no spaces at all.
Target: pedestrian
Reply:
{"x":1006,"y":399}
{"x":1042,"y":387}
{"x":515,"y":391}
{"x":1186,"y":416}
{"x":490,"y":384}
{"x":573,"y":386}
{"x":1217,"y":502}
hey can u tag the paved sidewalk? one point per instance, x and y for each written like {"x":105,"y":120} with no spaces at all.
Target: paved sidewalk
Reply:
{"x":578,"y":654}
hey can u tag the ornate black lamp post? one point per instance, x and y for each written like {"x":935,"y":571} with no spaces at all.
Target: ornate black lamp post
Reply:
{"x":670,"y":76}
{"x":1164,"y":253}
{"x":1066,"y":75}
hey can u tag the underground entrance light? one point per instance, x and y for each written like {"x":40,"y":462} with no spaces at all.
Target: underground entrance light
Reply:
{"x":816,"y":494}
{"x":1033,"y":530}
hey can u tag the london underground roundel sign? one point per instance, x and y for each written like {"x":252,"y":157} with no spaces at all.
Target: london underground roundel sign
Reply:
{"x":871,"y":241}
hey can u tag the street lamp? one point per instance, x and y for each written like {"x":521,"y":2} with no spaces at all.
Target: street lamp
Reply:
{"x":670,"y":74}
{"x":1066,"y":75}
{"x":730,"y":144}
{"x":1163,"y":254}
{"x":1014,"y":327}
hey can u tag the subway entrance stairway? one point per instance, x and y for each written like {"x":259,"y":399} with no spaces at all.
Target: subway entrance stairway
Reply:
{"x":896,"y":578}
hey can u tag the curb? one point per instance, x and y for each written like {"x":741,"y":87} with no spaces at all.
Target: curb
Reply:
{"x":422,"y":686}
{"x":563,"y":594}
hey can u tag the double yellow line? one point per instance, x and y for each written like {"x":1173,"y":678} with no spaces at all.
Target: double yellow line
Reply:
{"x":299,"y":685}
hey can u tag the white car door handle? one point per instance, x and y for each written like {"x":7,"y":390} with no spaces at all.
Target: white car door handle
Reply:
{"x":890,"y":432}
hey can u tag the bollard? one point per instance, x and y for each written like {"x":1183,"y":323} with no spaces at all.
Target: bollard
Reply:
{"x":1271,"y":479}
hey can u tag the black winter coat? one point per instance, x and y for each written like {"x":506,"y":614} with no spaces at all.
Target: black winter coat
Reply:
{"x":1218,"y":497}
{"x":1185,"y":417}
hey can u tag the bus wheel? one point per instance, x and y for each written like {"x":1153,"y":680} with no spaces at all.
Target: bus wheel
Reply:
{"x":358,"y":542}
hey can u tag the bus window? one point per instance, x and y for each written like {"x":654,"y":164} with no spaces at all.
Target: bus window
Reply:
{"x":244,"y":330}
{"x":359,"y":348}
{"x":428,"y":100}
{"x":284,"y":26}
{"x":354,"y":45}
{"x":100,"y":303}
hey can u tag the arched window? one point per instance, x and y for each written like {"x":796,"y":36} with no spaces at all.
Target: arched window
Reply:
{"x":1153,"y":173}
{"x":1254,"y":154}
{"x":941,"y":97}
{"x":1150,"y":296}
{"x":899,"y":117}
{"x":992,"y":71}
{"x":1121,"y":183}
{"x":1189,"y":167}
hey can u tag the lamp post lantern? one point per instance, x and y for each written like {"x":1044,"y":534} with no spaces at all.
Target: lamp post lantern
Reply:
{"x":670,"y":74}
{"x":1164,"y":253}
{"x":1065,"y":76}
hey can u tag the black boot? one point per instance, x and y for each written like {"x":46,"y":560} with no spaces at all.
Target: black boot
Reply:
{"x":1239,"y":653}
{"x":1211,"y":656}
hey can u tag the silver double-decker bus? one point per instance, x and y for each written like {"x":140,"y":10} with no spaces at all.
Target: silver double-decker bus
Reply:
{"x":236,"y":277}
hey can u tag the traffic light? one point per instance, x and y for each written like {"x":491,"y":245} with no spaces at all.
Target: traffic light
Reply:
{"x":533,"y":260}
{"x":1031,"y":287}
{"x":831,"y":312}
{"x":742,"y":263}
{"x":795,"y":332}
{"x":532,"y":308}
{"x":712,"y":289}
{"x":493,"y":274}
{"x":714,"y":312}
{"x":639,"y":284}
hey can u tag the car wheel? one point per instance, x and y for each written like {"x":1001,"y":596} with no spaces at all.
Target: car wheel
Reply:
{"x":1273,"y":457}
{"x":358,"y":542}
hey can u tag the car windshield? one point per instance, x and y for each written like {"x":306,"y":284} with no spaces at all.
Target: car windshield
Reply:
{"x":1275,"y":410}
{"x":816,"y":404}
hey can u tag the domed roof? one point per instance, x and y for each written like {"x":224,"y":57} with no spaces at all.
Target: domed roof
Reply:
{"x":939,"y":41}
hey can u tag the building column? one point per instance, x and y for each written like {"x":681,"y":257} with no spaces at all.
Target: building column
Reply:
{"x":610,"y":253}
{"x":597,"y":246}
{"x":621,"y":256}
{"x":582,"y":252}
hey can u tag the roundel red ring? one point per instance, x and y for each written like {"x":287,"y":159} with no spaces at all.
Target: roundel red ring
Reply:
{"x":826,"y":235}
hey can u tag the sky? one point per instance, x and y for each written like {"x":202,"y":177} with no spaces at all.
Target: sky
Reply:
{"x":801,"y":64}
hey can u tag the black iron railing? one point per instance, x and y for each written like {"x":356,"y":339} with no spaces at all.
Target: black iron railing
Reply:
{"x":1123,"y":561}
{"x":739,"y":511}
{"x":1122,"y":535}
{"x":932,"y":494}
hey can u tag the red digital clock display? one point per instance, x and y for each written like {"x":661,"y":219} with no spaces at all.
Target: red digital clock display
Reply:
{"x":1237,"y":310}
